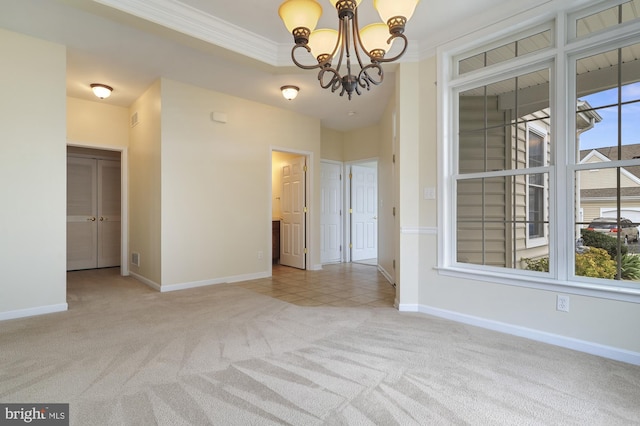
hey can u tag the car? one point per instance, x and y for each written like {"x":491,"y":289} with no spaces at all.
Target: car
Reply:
{"x":628,"y":230}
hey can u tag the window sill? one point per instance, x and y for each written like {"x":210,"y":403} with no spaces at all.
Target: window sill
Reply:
{"x":602,"y":291}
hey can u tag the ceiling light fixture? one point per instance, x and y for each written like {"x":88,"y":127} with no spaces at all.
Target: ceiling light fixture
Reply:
{"x":290,"y":92}
{"x":101,"y":90}
{"x":301,"y":17}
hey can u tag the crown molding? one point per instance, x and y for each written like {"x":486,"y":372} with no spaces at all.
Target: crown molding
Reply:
{"x":185,"y":19}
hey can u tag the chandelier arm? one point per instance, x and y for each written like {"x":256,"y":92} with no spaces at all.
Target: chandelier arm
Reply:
{"x":404,"y":48}
{"x":335,"y":78}
{"x":365,"y":79}
{"x":304,"y":67}
{"x":356,"y":38}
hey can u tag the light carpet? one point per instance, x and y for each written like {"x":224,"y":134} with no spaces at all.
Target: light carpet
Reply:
{"x":224,"y":355}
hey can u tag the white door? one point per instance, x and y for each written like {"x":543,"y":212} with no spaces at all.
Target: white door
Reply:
{"x":82,"y":211}
{"x":364,"y":213}
{"x":108,"y":213}
{"x":93,"y":213}
{"x":331,"y":212}
{"x":292,"y":226}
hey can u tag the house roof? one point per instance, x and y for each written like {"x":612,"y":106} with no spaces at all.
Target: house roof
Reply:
{"x":627,"y":152}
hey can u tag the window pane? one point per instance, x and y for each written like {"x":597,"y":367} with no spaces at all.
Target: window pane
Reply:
{"x":608,"y":18}
{"x":506,"y":52}
{"x":489,"y":139}
{"x":499,"y":218}
{"x":607,"y":195}
{"x":607,"y":224}
{"x":630,"y":126}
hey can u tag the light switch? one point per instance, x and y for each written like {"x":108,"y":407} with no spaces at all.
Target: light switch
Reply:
{"x":430,"y":193}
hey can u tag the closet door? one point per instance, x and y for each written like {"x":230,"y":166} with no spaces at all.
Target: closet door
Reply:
{"x":108,"y":222}
{"x":93,"y":213}
{"x":82,"y":210}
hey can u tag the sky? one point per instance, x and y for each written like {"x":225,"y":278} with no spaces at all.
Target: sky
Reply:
{"x":605,"y":133}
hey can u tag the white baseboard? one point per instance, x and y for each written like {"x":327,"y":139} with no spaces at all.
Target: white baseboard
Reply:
{"x":146,"y":281}
{"x":528,"y":333}
{"x":196,"y":284}
{"x":30,"y":312}
{"x":384,"y":273}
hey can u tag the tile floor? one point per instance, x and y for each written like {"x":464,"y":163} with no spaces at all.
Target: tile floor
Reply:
{"x":342,"y":285}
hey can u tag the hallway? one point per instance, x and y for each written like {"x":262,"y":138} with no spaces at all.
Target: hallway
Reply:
{"x":341,"y":285}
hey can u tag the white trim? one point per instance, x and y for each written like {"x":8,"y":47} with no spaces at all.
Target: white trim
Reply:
{"x":196,"y":284}
{"x":592,"y":287}
{"x":386,"y":275}
{"x":30,"y":312}
{"x":592,"y":348}
{"x":204,"y":283}
{"x":343,"y":216}
{"x":421,"y":230}
{"x":154,"y":285}
{"x":309,"y":196}
{"x":196,"y":23}
{"x":124,"y":198}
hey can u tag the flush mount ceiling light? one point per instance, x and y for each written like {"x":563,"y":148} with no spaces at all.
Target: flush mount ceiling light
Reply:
{"x":290,"y":92}
{"x":326,"y":45}
{"x":101,"y":90}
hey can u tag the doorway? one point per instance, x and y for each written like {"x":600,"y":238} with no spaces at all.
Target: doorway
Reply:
{"x":289,"y":208}
{"x":94,"y":222}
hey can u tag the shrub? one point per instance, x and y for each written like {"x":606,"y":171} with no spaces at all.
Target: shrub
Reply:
{"x":630,"y":267}
{"x":596,"y":263}
{"x":603,"y":241}
{"x":541,"y":265}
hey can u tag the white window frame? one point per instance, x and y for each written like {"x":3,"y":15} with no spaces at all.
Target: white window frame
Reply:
{"x":560,"y":58}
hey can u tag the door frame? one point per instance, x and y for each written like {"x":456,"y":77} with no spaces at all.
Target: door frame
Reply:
{"x":308,"y":239}
{"x":124,"y":198}
{"x":341,"y":239}
{"x":347,"y":204}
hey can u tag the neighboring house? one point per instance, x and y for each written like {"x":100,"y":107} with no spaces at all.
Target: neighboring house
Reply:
{"x":598,"y":191}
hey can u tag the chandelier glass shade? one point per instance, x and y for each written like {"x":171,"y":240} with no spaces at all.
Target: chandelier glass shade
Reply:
{"x":338,"y":52}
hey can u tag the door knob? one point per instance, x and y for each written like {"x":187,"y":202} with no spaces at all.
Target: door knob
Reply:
{"x":92,"y":218}
{"x":101,"y":218}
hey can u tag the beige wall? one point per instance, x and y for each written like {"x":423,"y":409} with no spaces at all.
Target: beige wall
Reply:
{"x":387,"y":200}
{"x":216,"y":183}
{"x":332,"y":144}
{"x":97,"y":124}
{"x":33,"y":175}
{"x":361,"y":144}
{"x":145,"y":176}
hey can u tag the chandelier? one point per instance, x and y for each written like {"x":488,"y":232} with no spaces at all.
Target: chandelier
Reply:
{"x":334,"y":50}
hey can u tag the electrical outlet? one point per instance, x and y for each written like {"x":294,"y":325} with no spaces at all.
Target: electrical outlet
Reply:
{"x":562,"y":303}
{"x":260,"y":255}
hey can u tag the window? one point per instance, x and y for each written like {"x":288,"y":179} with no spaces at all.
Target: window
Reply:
{"x":498,"y":168}
{"x":608,"y":102}
{"x":522,"y":144}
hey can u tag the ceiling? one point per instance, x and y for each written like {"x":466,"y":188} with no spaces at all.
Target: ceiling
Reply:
{"x":235,"y":47}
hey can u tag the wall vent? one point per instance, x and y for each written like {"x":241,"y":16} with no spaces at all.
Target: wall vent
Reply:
{"x":134,"y":119}
{"x":135,"y":259}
